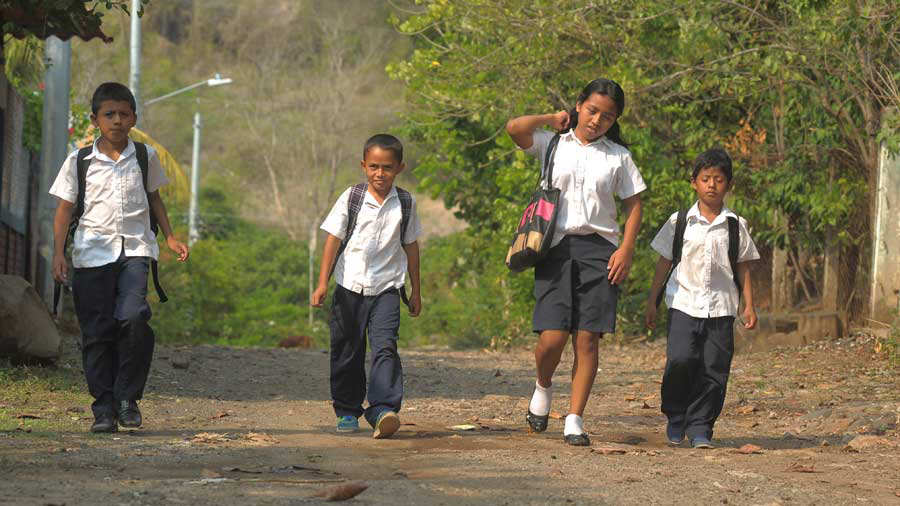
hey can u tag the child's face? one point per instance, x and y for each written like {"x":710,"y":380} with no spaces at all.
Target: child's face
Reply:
{"x":595,"y":116}
{"x":114,"y":118}
{"x":381,"y":167}
{"x":711,"y":185}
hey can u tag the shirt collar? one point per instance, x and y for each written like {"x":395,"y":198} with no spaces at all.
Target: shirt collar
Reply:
{"x":570,"y":136}
{"x":694,"y":212}
{"x":129,"y":150}
{"x":391,"y":194}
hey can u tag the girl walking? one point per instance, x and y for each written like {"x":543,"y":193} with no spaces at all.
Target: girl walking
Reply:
{"x":576,"y":285}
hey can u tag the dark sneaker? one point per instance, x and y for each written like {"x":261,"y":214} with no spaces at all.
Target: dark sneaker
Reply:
{"x":387,"y":424}
{"x":347,"y":423}
{"x":701,"y":442}
{"x":129,"y":414}
{"x":674,"y":431}
{"x":536,"y":423}
{"x":104,"y":423}
{"x":577,"y":439}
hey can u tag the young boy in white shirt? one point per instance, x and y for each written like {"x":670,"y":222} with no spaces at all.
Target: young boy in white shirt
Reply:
{"x":373,"y":250}
{"x":702,"y":294}
{"x":113,"y":248}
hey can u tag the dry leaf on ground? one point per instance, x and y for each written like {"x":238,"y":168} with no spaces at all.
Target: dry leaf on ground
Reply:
{"x":463,"y":427}
{"x":614,"y":449}
{"x":342,"y":492}
{"x":260,"y":438}
{"x":748,"y":449}
{"x":797,"y":467}
{"x":556,"y":415}
{"x":209,"y":438}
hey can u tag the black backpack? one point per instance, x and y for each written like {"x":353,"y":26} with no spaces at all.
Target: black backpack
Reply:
{"x":678,"y":243}
{"x":82,"y":163}
{"x":354,"y":205}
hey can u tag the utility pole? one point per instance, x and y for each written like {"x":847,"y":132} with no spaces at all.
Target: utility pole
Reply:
{"x":54,"y":146}
{"x":193,"y":235}
{"x":134,"y":81}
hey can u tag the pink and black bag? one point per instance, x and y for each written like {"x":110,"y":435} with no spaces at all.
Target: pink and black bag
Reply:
{"x":534,"y":234}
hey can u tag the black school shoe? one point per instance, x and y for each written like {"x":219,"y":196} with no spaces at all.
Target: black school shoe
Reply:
{"x":104,"y":423}
{"x":536,"y":423}
{"x":577,"y":439}
{"x":129,"y":414}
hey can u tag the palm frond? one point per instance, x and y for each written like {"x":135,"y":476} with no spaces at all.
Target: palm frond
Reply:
{"x":179,"y":187}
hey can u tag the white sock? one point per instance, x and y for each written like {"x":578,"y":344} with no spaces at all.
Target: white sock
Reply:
{"x":540,"y":401}
{"x":574,"y":425}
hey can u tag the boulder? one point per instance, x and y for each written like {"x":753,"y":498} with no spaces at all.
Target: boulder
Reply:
{"x":27,"y":330}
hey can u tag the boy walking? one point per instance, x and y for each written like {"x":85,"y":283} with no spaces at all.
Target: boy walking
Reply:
{"x":707,"y":275}
{"x":105,"y":189}
{"x":372,"y":235}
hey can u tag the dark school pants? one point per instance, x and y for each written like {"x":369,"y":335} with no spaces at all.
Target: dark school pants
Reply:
{"x":354,"y":317}
{"x":698,"y":360}
{"x":117,"y":342}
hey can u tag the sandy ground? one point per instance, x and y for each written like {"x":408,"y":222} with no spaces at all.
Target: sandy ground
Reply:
{"x":255,"y":426}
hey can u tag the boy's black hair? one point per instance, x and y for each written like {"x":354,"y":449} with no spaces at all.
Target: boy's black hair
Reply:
{"x":387,"y":142}
{"x":112,"y":91}
{"x":716,"y":157}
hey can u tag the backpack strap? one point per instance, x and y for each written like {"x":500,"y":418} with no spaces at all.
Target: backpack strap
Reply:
{"x":81,"y":167}
{"x":734,"y":242}
{"x":354,"y":205}
{"x":405,"y":212}
{"x":549,"y":158}
{"x":677,"y":246}
{"x":143,"y":160}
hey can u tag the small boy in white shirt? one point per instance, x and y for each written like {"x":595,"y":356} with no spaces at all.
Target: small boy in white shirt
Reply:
{"x":372,"y":234}
{"x":702,"y":294}
{"x":114,"y":246}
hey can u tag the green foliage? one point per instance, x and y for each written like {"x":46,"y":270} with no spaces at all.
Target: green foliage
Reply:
{"x":795,"y":90}
{"x":243,"y":285}
{"x":469,"y":300}
{"x":63,"y":18}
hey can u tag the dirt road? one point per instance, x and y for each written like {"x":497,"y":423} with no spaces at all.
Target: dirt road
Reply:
{"x":254,"y":426}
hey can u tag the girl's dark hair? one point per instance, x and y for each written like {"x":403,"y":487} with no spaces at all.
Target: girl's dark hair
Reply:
{"x":610,"y":89}
{"x":112,"y":91}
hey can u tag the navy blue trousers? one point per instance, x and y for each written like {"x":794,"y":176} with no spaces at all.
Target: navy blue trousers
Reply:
{"x":355,"y":317}
{"x":117,"y":341}
{"x":698,"y":360}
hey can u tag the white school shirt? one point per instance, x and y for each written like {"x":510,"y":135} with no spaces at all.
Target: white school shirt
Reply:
{"x":373,"y":260}
{"x":116,"y":210}
{"x":588,"y":175}
{"x":702,"y":285}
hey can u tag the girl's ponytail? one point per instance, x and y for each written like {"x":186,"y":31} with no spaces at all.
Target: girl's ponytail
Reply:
{"x":615,"y":134}
{"x":573,"y":121}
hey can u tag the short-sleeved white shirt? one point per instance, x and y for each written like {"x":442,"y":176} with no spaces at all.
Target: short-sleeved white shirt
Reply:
{"x":374,"y":260}
{"x":588,"y":175}
{"x":116,"y":210}
{"x":702,"y":284}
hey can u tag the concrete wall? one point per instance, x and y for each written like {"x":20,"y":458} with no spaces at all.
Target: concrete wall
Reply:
{"x":885,"y":296}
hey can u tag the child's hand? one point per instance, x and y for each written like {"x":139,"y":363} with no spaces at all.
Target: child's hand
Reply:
{"x":650,"y":316}
{"x":178,"y":247}
{"x":60,"y":269}
{"x":318,"y":296}
{"x":620,"y":265}
{"x":749,"y":317}
{"x":415,"y":304}
{"x":560,"y":121}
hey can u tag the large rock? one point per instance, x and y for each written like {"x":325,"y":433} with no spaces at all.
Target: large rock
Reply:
{"x":27,"y":330}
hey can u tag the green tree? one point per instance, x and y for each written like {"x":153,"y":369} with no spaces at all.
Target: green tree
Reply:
{"x":797,"y":90}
